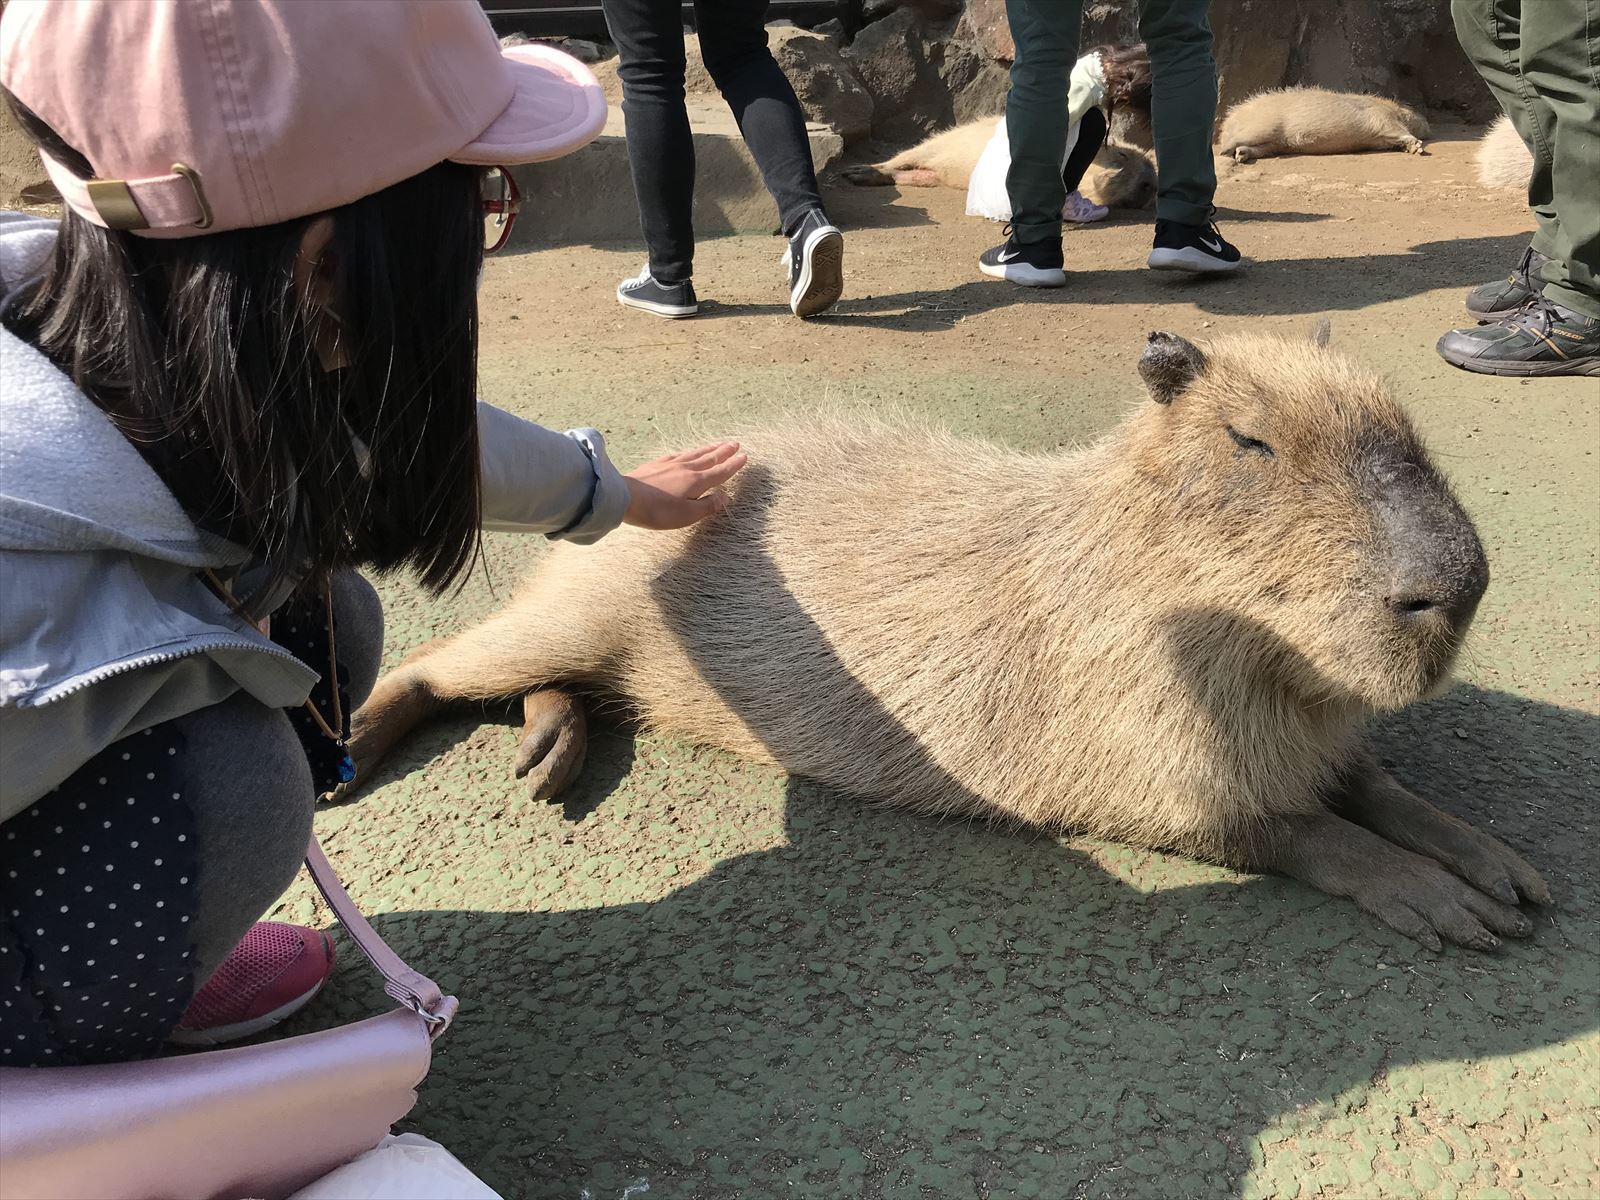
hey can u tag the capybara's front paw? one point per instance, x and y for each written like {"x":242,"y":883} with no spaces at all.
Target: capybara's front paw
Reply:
{"x":555,"y":740}
{"x":1433,"y":906}
{"x":1488,"y":864}
{"x":1413,"y":146}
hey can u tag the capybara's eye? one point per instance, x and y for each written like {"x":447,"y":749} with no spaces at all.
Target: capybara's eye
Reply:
{"x":1248,"y":443}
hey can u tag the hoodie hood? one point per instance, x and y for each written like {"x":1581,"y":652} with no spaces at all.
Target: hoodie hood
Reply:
{"x":69,"y":480}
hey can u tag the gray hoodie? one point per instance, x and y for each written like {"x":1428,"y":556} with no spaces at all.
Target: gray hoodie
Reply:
{"x":105,"y":625}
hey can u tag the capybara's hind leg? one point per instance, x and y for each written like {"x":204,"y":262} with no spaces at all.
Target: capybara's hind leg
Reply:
{"x":1411,"y":145}
{"x":1244,"y":154}
{"x":916,"y":177}
{"x":555,"y":739}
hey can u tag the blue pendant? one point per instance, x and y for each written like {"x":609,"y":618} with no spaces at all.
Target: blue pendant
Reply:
{"x":347,"y":769}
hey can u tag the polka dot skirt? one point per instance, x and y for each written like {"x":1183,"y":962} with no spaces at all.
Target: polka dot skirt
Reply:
{"x":97,"y":895}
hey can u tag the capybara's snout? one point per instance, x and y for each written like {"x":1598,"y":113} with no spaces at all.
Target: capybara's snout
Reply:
{"x":1437,"y":569}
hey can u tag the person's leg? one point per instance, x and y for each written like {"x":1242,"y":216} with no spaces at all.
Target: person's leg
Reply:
{"x":733,"y":42}
{"x":1183,"y":107}
{"x":129,"y":883}
{"x":228,"y":827}
{"x":1542,"y":61}
{"x":1046,"y":36}
{"x":1561,"y":66}
{"x":1490,"y":33}
{"x":649,"y":39}
{"x":1091,"y":137}
{"x":127,"y":886}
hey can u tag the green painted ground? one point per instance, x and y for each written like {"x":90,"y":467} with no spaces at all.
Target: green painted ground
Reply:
{"x":698,"y":975}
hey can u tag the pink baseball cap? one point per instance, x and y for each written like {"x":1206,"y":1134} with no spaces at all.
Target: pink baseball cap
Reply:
{"x":205,"y":115}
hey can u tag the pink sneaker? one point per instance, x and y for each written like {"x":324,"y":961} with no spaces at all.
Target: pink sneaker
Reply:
{"x":271,"y":975}
{"x":1080,"y":210}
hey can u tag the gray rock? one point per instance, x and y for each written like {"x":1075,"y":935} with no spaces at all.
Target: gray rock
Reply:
{"x":827,"y":84}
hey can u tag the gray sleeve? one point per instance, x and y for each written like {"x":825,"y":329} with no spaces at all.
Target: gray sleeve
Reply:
{"x":536,"y":480}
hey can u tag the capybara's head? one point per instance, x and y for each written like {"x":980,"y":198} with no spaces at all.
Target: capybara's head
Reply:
{"x":1310,"y":511}
{"x":1121,"y":177}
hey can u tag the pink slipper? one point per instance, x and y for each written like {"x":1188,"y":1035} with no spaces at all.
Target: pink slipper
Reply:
{"x":1081,"y":210}
{"x":270,"y":975}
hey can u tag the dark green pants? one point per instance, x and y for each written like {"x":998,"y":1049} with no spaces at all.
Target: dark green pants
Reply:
{"x":1183,"y":109}
{"x":1541,"y":59}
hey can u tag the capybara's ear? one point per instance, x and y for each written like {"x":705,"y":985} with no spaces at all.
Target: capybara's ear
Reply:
{"x":1168,"y":365}
{"x":1321,"y":332}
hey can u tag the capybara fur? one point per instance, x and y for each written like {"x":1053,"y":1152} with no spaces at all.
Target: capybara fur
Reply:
{"x":1303,"y":120}
{"x":1120,"y":176}
{"x":1172,"y":637}
{"x":1504,"y":162}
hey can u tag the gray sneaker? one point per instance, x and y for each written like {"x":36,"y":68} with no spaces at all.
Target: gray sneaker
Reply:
{"x":1502,"y":297}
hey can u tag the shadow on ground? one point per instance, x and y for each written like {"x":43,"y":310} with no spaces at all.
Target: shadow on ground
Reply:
{"x":1275,"y":287}
{"x":891,"y":1005}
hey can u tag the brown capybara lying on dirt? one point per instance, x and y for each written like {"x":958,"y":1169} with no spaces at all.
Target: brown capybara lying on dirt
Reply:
{"x":1120,"y":176}
{"x":1171,"y":638}
{"x":1503,"y":158}
{"x":1314,"y":121}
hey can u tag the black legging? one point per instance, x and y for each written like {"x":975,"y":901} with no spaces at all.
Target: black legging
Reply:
{"x":733,"y":41}
{"x":1091,"y":136}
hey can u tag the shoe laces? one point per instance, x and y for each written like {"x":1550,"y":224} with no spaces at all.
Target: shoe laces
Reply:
{"x":639,"y":280}
{"x":1522,"y":273}
{"x":1538,"y":314}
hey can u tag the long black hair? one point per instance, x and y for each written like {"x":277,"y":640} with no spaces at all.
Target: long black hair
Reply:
{"x":203,"y":351}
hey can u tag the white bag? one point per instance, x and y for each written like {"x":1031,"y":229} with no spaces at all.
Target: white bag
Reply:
{"x":400,"y":1168}
{"x":986,"y":190}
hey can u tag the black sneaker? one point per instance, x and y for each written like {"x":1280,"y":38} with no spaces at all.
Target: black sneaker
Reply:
{"x":1031,"y":264}
{"x":647,"y":292}
{"x":1541,"y":338}
{"x":816,"y":265}
{"x":1198,"y":249}
{"x":1491,"y":301}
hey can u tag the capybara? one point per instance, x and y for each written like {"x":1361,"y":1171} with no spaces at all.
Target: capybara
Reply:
{"x":1120,"y":176}
{"x":1303,"y":120}
{"x":1503,"y":158}
{"x":1172,"y":637}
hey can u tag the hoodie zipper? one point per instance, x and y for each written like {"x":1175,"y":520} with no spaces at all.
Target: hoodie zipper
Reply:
{"x":152,"y":660}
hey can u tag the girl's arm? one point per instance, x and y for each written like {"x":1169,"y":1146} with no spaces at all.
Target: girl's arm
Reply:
{"x":536,"y":480}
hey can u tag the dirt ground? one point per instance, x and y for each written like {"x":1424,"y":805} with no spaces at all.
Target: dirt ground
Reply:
{"x":699,"y":979}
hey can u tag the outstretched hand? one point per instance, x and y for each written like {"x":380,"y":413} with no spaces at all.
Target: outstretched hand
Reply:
{"x":680,"y":489}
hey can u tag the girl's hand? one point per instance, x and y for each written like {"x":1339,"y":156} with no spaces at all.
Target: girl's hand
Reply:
{"x":679,"y":490}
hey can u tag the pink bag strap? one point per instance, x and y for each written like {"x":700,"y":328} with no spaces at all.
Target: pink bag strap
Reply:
{"x":412,"y":989}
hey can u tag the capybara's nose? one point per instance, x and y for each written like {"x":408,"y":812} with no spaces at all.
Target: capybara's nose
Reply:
{"x":1451,"y":593}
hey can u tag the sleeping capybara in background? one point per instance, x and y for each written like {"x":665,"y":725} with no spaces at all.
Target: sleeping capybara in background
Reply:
{"x":1303,"y":120}
{"x":1503,"y":158}
{"x":1173,"y":637}
{"x":1120,"y":176}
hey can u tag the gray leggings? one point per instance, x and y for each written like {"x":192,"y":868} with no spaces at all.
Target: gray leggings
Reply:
{"x":127,"y":886}
{"x":253,"y":826}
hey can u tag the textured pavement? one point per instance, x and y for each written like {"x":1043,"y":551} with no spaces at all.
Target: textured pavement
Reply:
{"x":698,"y":977}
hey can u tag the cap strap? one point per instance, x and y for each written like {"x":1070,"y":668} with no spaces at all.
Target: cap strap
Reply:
{"x":160,"y":202}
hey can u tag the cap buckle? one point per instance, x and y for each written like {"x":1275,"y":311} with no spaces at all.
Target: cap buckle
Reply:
{"x":193,"y":177}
